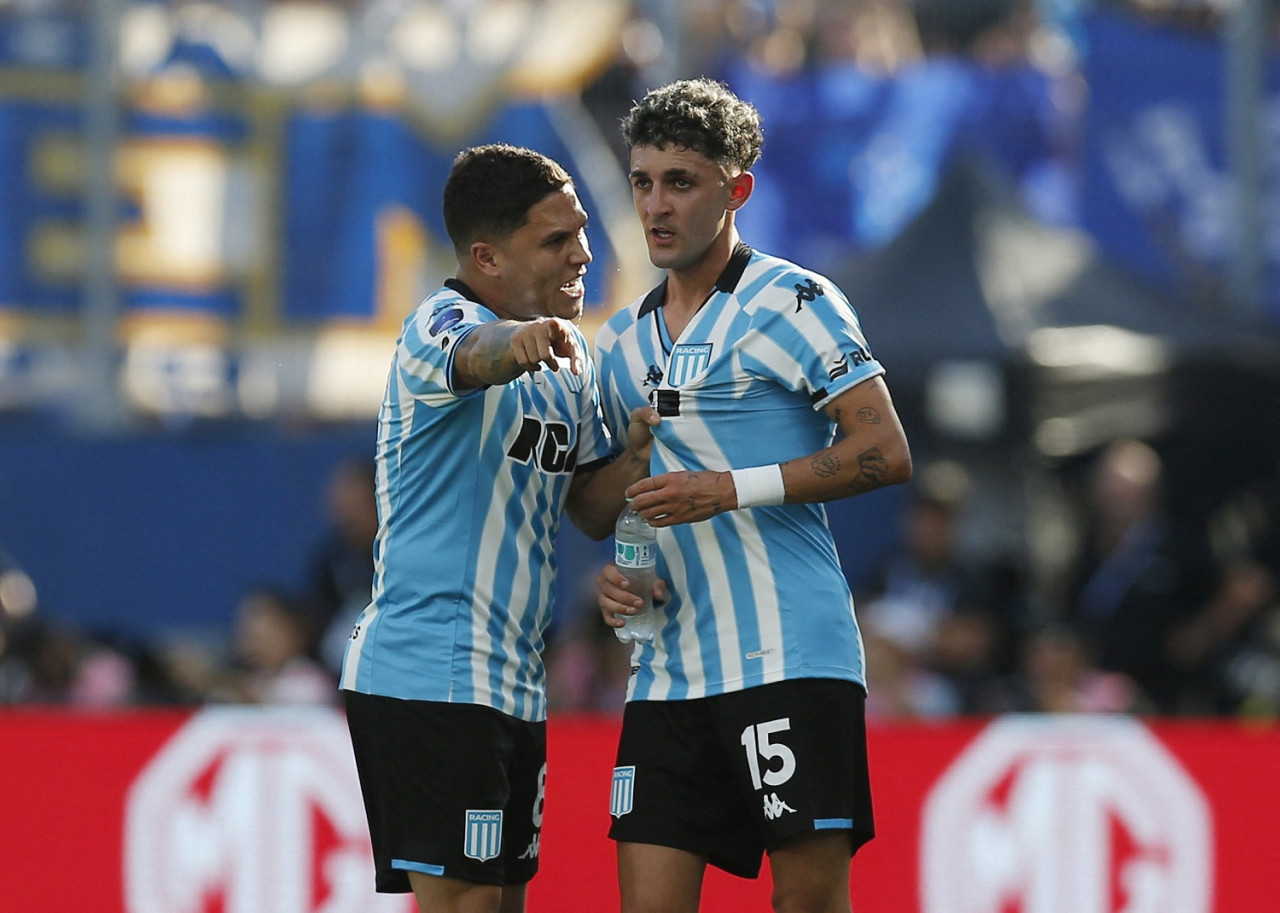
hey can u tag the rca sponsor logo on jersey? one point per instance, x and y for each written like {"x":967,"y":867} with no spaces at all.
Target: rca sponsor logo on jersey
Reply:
{"x":244,"y":811}
{"x":550,"y":446}
{"x":1065,"y":815}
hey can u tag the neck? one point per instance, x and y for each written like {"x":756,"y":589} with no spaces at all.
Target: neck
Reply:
{"x":485,"y":289}
{"x":688,"y":287}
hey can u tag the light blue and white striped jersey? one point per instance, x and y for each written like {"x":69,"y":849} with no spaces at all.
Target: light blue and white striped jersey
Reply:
{"x":757,"y":595}
{"x":471,"y":486}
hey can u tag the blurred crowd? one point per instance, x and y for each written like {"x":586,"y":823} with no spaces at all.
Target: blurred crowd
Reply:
{"x":1151,"y":616}
{"x":285,"y":644}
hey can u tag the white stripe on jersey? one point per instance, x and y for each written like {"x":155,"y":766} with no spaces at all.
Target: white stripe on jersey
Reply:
{"x":493,"y":532}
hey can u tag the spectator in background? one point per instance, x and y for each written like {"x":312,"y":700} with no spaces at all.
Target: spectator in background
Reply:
{"x":1232,"y":645}
{"x":43,"y":661}
{"x":900,"y":686}
{"x":972,"y":653}
{"x":1152,"y":600}
{"x":273,"y":665}
{"x":1057,"y":675}
{"x":339,"y":576}
{"x":1135,"y":576}
{"x":46,"y":662}
{"x":926,"y":578}
{"x":940,"y":620}
{"x":39,"y":661}
{"x":269,"y":661}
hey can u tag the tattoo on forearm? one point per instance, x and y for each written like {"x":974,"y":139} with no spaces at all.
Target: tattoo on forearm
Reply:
{"x":869,"y":416}
{"x":873,"y":468}
{"x":825,"y":465}
{"x":491,"y":362}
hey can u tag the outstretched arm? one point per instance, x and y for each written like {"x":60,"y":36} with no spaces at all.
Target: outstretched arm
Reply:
{"x":871,"y":452}
{"x":498,"y":352}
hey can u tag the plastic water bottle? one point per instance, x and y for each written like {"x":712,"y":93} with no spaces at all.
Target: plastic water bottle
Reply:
{"x":635,"y":552}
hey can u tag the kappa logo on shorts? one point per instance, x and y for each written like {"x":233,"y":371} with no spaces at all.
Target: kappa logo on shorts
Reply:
{"x":483,"y":840}
{"x":531,"y":851}
{"x":775,"y":807}
{"x":623,"y":792}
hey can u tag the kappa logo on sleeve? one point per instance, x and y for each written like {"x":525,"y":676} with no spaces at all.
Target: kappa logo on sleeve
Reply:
{"x":809,"y":291}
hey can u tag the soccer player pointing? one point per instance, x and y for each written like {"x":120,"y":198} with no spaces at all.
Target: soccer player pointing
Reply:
{"x":490,"y":429}
{"x":744,"y":730}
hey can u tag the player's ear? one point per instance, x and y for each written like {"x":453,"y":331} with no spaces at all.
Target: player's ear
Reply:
{"x":740,"y":187}
{"x":485,"y":256}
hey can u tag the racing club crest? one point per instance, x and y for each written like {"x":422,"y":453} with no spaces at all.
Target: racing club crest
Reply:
{"x":687,"y":361}
{"x":620,"y":797}
{"x":483,"y":840}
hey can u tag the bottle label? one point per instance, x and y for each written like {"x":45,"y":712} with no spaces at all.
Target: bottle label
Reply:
{"x":629,"y":554}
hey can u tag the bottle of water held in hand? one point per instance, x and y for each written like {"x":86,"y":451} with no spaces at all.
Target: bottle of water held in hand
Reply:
{"x":636,"y":555}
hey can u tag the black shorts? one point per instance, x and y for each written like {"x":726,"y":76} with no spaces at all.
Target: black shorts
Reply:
{"x":731,"y":776}
{"x":449,"y":789}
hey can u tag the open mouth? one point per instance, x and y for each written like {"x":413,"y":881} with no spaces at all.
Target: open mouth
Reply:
{"x":573,"y":288}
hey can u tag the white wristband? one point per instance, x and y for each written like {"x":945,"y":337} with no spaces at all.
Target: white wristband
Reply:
{"x":759,"y":486}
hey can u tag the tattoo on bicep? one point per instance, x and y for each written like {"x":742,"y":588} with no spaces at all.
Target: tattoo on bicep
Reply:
{"x":873,"y":468}
{"x":869,"y":416}
{"x":825,"y":465}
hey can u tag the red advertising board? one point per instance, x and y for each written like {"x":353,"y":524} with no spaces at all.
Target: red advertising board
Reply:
{"x":250,"y":810}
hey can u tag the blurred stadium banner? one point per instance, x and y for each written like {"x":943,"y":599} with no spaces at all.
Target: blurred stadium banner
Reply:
{"x":1157,"y":191}
{"x":244,"y":810}
{"x":278,"y":198}
{"x":278,"y":169}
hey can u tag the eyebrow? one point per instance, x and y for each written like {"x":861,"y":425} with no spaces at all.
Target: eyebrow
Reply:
{"x":559,"y":234}
{"x":668,"y":173}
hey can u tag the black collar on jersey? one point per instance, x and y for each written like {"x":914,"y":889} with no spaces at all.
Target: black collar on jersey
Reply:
{"x":727,"y":281}
{"x":464,"y":290}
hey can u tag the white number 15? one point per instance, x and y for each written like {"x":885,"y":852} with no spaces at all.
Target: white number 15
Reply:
{"x":755,"y":739}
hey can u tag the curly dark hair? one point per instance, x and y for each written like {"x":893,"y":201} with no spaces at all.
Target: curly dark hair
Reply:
{"x":491,"y":189}
{"x":701,"y":115}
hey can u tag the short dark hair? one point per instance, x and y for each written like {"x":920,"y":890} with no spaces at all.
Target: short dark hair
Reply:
{"x":701,"y":115}
{"x":491,"y":189}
